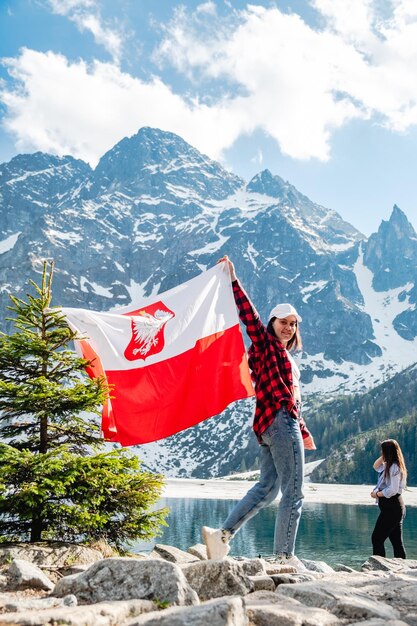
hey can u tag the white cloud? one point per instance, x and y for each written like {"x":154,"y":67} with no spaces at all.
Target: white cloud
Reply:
{"x":85,"y":14}
{"x":95,"y":106}
{"x":284,"y":69}
{"x":351,"y":20}
{"x":207,"y":7}
{"x":270,"y":70}
{"x":63,"y":7}
{"x":301,"y":84}
{"x":109,"y":39}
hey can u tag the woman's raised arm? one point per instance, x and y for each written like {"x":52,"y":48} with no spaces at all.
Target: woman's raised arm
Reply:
{"x":248,"y":315}
{"x":378,"y":462}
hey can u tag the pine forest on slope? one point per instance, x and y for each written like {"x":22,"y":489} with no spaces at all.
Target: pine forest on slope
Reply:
{"x":350,"y":428}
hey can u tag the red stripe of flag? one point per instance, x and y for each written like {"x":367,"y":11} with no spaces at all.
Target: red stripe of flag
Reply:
{"x":156,"y":401}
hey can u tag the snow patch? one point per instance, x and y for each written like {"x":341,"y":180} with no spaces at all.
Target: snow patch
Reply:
{"x":9,"y":243}
{"x":183,"y":192}
{"x":252,"y":254}
{"x":99,"y":290}
{"x":136,"y":290}
{"x":57,"y":236}
{"x":210,"y":247}
{"x":310,"y":288}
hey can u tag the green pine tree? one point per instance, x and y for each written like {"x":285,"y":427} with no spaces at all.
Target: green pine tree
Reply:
{"x":54,"y":481}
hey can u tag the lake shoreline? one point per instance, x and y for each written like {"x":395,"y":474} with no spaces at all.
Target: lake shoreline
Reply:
{"x":317,"y":493}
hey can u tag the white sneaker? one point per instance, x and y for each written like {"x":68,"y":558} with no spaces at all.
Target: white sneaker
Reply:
{"x":217,"y":542}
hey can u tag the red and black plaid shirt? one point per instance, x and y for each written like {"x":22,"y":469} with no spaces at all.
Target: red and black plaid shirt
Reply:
{"x":270,"y":367}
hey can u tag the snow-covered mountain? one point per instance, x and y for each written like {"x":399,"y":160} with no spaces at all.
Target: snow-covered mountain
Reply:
{"x":155,"y":212}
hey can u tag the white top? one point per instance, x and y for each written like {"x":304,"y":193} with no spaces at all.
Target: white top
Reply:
{"x":296,"y":377}
{"x":392,"y":484}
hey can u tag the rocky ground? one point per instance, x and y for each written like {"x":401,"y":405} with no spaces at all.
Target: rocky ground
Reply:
{"x":65,"y":584}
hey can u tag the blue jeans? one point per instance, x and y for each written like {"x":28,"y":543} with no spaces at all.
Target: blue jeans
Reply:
{"x":282,"y":469}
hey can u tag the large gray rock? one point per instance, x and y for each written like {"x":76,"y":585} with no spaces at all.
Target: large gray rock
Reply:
{"x":127,"y":578}
{"x":253,"y":567}
{"x":227,"y":611}
{"x":174,"y":555}
{"x":49,"y":554}
{"x":199,"y":550}
{"x":262,"y":583}
{"x":317,"y":566}
{"x":272,"y":567}
{"x":265,"y":608}
{"x":339,"y":599}
{"x":36,"y":604}
{"x":380,"y":563}
{"x":381,"y":622}
{"x":401,"y":593}
{"x":411,"y":618}
{"x":396,"y":589}
{"x":102,"y":614}
{"x":213,"y":579}
{"x":24,"y":575}
{"x":288,"y":579}
{"x":341,"y":567}
{"x":155,"y":555}
{"x":356,"y":580}
{"x":73,"y":569}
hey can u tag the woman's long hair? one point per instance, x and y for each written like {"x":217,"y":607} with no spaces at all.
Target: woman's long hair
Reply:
{"x":391,"y":453}
{"x":295,"y":341}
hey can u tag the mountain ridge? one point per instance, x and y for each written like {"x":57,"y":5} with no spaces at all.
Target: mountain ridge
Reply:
{"x":155,"y":212}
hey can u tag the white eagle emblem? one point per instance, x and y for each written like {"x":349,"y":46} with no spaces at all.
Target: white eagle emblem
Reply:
{"x":147,"y":331}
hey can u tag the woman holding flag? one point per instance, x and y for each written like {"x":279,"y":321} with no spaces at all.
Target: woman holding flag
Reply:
{"x":278,"y":426}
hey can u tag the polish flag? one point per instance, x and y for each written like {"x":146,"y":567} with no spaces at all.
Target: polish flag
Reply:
{"x":171,"y":361}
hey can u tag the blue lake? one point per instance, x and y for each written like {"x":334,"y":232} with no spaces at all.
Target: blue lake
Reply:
{"x":335,"y":533}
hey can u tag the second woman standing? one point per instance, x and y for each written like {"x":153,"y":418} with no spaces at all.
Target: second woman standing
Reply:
{"x":387,"y":492}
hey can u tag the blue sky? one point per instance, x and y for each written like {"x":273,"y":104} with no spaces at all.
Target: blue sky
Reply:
{"x":321,"y":92}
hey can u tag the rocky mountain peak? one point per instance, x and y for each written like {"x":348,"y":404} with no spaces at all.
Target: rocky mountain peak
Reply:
{"x":24,"y":166}
{"x":395,"y":239}
{"x":399,"y":224}
{"x":296,"y":208}
{"x":268,"y":184}
{"x":156,"y":162}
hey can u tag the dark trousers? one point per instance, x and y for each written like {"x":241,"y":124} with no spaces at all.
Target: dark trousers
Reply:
{"x":389,"y":525}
